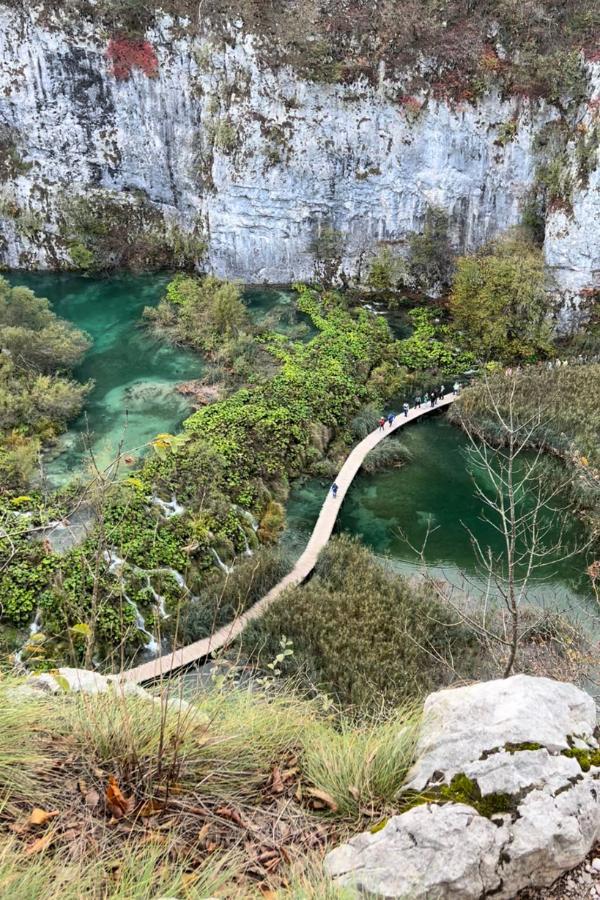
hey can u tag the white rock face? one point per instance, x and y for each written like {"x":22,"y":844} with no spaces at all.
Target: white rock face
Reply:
{"x":551,"y":811}
{"x":259,"y":158}
{"x":461,"y":862}
{"x":513,"y":710}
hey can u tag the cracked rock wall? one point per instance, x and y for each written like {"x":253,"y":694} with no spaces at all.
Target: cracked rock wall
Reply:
{"x":257,"y":158}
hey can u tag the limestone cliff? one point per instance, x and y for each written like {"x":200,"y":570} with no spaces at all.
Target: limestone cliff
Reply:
{"x":206,"y":140}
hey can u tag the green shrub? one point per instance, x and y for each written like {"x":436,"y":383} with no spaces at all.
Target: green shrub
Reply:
{"x":37,"y":398}
{"x":81,"y":257}
{"x":385,"y":271}
{"x":220,"y":600}
{"x":361,"y":633}
{"x":500,"y":302}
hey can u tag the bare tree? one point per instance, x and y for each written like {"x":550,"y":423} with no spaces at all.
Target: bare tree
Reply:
{"x":524,"y":503}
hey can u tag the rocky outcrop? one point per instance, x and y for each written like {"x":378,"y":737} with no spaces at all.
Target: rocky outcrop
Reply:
{"x":511,"y":770}
{"x":256,"y":159}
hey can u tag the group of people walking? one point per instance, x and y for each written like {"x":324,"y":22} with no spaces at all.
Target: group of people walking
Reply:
{"x":430,"y":397}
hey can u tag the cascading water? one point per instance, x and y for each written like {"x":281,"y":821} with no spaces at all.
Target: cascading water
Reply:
{"x":140,"y":623}
{"x":247,"y":550}
{"x":169,"y":508}
{"x":36,"y":625}
{"x":223,"y":567}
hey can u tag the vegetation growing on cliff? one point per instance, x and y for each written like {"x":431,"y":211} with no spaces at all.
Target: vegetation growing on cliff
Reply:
{"x":107,"y":230}
{"x":428,"y":266}
{"x":530,"y":49}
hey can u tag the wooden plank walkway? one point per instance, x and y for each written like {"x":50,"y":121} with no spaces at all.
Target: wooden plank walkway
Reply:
{"x":162,"y":665}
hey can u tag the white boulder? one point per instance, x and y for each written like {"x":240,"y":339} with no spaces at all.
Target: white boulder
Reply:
{"x":508,"y":738}
{"x":463,"y":723}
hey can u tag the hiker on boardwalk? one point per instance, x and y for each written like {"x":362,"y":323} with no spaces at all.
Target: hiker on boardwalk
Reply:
{"x":418,"y":402}
{"x":381,"y":423}
{"x":456,"y":388}
{"x":406,"y":408}
{"x":390,"y":419}
{"x":442,"y":391}
{"x":432,"y":399}
{"x":334,"y":490}
{"x":426,"y":398}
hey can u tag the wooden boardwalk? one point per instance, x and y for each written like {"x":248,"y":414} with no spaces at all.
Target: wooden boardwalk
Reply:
{"x":162,"y":665}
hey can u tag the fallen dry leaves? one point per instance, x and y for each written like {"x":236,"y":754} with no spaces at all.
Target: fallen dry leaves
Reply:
{"x":40,"y":844}
{"x":321,"y":799}
{"x":117,"y":803}
{"x":40,"y":816}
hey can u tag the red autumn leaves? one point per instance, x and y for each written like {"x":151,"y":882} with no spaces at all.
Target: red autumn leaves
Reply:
{"x":126,"y":54}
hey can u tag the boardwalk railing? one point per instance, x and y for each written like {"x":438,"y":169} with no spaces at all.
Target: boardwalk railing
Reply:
{"x":176,"y":659}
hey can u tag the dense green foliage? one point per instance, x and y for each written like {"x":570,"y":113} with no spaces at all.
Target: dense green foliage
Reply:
{"x":209,"y":315}
{"x":428,"y":265}
{"x":429,"y":347}
{"x":500,"y":303}
{"x":263,"y":434}
{"x":233,"y":456}
{"x":360,"y":632}
{"x":37,"y":396}
{"x":202,"y":312}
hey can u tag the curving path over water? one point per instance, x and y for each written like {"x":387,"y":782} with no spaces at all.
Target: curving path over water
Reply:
{"x":176,"y":659}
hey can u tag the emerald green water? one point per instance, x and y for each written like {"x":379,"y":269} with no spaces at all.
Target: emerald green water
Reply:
{"x":392,"y":509}
{"x":135,"y":374}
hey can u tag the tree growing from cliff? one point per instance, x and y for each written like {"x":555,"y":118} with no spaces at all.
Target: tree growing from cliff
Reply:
{"x":327,"y":250}
{"x":500,"y":301}
{"x":430,"y":255}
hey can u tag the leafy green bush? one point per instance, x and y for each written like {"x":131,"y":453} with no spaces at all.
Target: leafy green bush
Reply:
{"x":500,"y":303}
{"x":33,"y":335}
{"x":37,"y":397}
{"x":385,"y":271}
{"x":425,"y":350}
{"x":203,"y":312}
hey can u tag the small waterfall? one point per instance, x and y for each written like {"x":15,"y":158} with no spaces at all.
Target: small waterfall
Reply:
{"x":158,"y":599}
{"x":34,"y":628}
{"x":248,"y":517}
{"x":140,"y":624}
{"x":170,"y":508}
{"x":115,"y":563}
{"x":227,"y":569}
{"x":115,"y":567}
{"x":36,"y":625}
{"x":176,"y":576}
{"x":247,"y":550}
